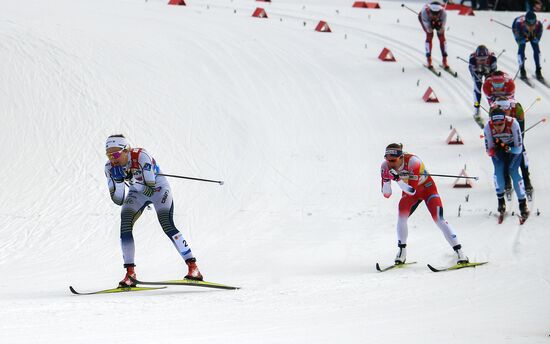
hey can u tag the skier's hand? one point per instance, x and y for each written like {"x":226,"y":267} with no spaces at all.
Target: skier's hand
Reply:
{"x":394,"y":174}
{"x":491,"y":152}
{"x":148,"y":191}
{"x":117,"y":173}
{"x":506,"y":148}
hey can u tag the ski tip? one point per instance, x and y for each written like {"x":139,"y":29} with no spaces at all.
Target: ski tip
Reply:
{"x":72,"y":290}
{"x":432,"y":268}
{"x":378,"y":267}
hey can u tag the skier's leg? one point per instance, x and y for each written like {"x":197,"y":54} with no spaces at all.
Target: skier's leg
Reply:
{"x":428,"y":46}
{"x":513,"y":170}
{"x":131,"y":211}
{"x":164,"y":206}
{"x":536,"y":54}
{"x":521,"y":59}
{"x":435,"y":207}
{"x":498,"y":176}
{"x":443,"y":46}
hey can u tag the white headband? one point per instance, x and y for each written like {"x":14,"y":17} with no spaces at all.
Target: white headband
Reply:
{"x":119,"y":142}
{"x":435,"y":7}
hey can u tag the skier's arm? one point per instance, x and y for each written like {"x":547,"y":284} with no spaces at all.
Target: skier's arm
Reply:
{"x":385,"y":181}
{"x":147,"y":168}
{"x":117,"y":188}
{"x":489,"y":143}
{"x":472,"y":67}
{"x":518,"y":143}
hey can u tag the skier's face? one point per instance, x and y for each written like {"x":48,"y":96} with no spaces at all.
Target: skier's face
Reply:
{"x":499,"y":126}
{"x":117,"y":156}
{"x":394,"y":162}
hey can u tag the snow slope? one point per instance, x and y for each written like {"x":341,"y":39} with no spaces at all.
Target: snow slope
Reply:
{"x":295,"y":122}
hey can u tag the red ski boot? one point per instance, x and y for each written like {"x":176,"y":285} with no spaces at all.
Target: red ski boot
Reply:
{"x":193,"y":273}
{"x":429,"y":62}
{"x":445,"y":64}
{"x":126,"y":281}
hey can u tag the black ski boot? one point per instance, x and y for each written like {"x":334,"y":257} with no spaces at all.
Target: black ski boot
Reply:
{"x":501,"y":205}
{"x":524,"y":211}
{"x":538,"y":74}
{"x":522,"y":73}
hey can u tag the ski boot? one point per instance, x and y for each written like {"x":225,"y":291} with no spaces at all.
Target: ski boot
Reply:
{"x":522,"y":73}
{"x":477,"y":116}
{"x":445,"y":64}
{"x":126,"y":281}
{"x":501,"y":208}
{"x":401,"y":256}
{"x":538,"y":74}
{"x":429,"y":62}
{"x":523,"y":210}
{"x":193,"y":271}
{"x":460,"y":256}
{"x":529,"y":192}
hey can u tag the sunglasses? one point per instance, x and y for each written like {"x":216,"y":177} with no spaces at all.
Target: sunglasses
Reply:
{"x":498,"y":124}
{"x":116,"y":154}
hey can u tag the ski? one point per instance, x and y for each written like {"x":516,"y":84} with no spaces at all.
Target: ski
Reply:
{"x":433,"y":70}
{"x":542,"y":81}
{"x":115,"y":290}
{"x":449,"y":70}
{"x":188,"y":282}
{"x":457,"y":266}
{"x":527,"y":81}
{"x":393,"y":266}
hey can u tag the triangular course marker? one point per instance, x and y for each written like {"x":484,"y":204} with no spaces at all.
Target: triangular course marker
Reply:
{"x":466,"y":183}
{"x":259,"y":13}
{"x":322,"y":27}
{"x":454,"y":138}
{"x":386,"y":55}
{"x":466,"y":11}
{"x":177,"y":2}
{"x":365,"y":4}
{"x":429,"y":96}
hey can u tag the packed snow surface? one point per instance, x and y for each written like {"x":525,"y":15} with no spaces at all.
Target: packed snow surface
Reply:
{"x":295,"y":123}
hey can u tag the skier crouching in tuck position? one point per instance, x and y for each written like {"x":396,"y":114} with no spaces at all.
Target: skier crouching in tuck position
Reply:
{"x":408,"y":171}
{"x":140,"y":170}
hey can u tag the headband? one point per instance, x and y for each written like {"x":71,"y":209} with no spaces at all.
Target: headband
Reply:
{"x":496,"y":118}
{"x":394,"y":152}
{"x":119,"y":142}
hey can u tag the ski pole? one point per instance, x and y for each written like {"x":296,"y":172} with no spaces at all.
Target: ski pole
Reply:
{"x":449,"y":176}
{"x":542,"y":120}
{"x":191,"y":178}
{"x":501,"y":23}
{"x":502,"y":52}
{"x":410,"y":9}
{"x":533,"y":103}
{"x":439,"y":175}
